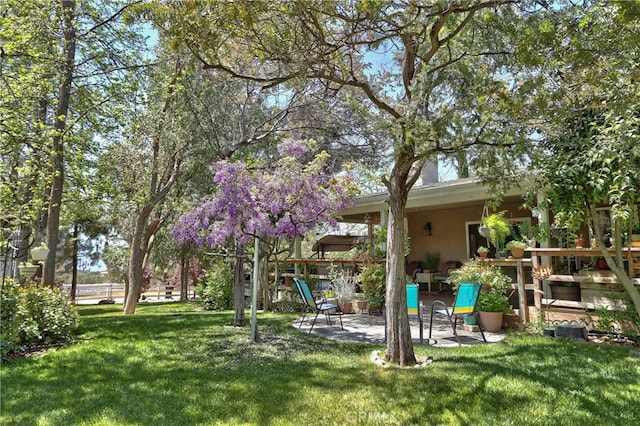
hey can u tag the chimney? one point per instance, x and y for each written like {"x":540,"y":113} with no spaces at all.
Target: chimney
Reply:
{"x":430,"y":172}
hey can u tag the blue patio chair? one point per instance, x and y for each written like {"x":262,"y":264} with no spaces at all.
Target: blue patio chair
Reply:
{"x":415,"y":308}
{"x":314,"y":306}
{"x":464,"y":305}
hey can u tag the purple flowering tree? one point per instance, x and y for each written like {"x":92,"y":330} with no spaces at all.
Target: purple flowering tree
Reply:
{"x":271,"y":203}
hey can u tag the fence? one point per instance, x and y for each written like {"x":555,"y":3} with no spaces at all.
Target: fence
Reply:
{"x":115,"y":291}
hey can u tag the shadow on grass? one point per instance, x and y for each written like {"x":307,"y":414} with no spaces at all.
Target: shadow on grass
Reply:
{"x":157,"y":368}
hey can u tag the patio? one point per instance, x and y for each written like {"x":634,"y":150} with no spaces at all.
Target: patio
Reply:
{"x":365,"y":328}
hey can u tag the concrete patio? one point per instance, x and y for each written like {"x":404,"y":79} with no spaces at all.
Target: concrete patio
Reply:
{"x":365,"y":328}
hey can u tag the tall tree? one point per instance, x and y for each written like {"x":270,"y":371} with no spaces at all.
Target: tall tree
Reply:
{"x":58,"y":96}
{"x":587,"y":114}
{"x":329,"y":47}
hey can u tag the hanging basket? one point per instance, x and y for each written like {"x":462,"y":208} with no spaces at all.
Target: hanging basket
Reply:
{"x":28,"y":271}
{"x":39,"y":253}
{"x":484,"y":231}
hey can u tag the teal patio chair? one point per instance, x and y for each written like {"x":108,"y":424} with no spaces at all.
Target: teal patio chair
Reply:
{"x":315,"y":306}
{"x":415,"y":308}
{"x":464,"y":305}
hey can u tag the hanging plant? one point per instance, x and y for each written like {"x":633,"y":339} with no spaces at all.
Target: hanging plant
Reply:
{"x":499,"y":228}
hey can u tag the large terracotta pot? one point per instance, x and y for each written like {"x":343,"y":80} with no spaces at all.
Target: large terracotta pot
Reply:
{"x":347,"y":307}
{"x":491,"y":321}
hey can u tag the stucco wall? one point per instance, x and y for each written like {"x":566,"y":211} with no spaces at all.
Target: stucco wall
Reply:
{"x":448,"y":227}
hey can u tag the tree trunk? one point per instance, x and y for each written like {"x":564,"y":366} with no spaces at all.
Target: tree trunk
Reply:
{"x":238,"y":289}
{"x":263,"y":290}
{"x":74,"y":274}
{"x":159,"y":187}
{"x":57,"y":149}
{"x":616,"y":267}
{"x":136,"y":260}
{"x":184,"y":276}
{"x":399,"y":343}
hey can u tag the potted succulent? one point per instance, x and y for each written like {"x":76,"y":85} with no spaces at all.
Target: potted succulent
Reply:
{"x":516,"y":248}
{"x":483,"y":252}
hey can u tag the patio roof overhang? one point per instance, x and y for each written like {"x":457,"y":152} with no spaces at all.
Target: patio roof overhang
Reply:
{"x":438,"y":196}
{"x":335,"y":243}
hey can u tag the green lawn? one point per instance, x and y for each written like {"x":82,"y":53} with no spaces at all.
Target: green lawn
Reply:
{"x":171,"y":365}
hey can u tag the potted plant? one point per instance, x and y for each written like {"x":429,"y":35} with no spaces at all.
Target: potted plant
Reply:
{"x":475,"y":271}
{"x":40,"y":252}
{"x":27,"y":270}
{"x":492,"y":305}
{"x":499,"y":228}
{"x":483,"y":252}
{"x":344,"y":287}
{"x":494,"y":283}
{"x":567,"y":225}
{"x":373,"y":280}
{"x":516,"y":248}
{"x":432,"y":261}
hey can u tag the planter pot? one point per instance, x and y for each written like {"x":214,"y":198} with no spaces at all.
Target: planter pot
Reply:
{"x":484,"y":254}
{"x":39,"y":253}
{"x":375,"y":310}
{"x":601,"y":264}
{"x":581,"y":243}
{"x":565,"y":293}
{"x":362,"y":305}
{"x":471,"y":320}
{"x":28,"y":271}
{"x":347,"y":307}
{"x":517,"y":252}
{"x":491,"y":321}
{"x":485,"y":231}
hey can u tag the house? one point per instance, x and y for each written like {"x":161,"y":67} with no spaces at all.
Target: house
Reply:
{"x":442,"y":217}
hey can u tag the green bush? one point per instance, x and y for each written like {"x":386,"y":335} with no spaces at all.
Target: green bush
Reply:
{"x":32,"y":315}
{"x":215,"y":288}
{"x":623,"y":319}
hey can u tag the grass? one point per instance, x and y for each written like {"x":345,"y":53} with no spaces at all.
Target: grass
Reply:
{"x":171,"y":365}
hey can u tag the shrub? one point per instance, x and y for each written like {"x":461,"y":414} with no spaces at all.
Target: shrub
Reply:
{"x":215,"y":287}
{"x":373,"y":280}
{"x":473,"y":271}
{"x":32,"y":315}
{"x":623,"y":319}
